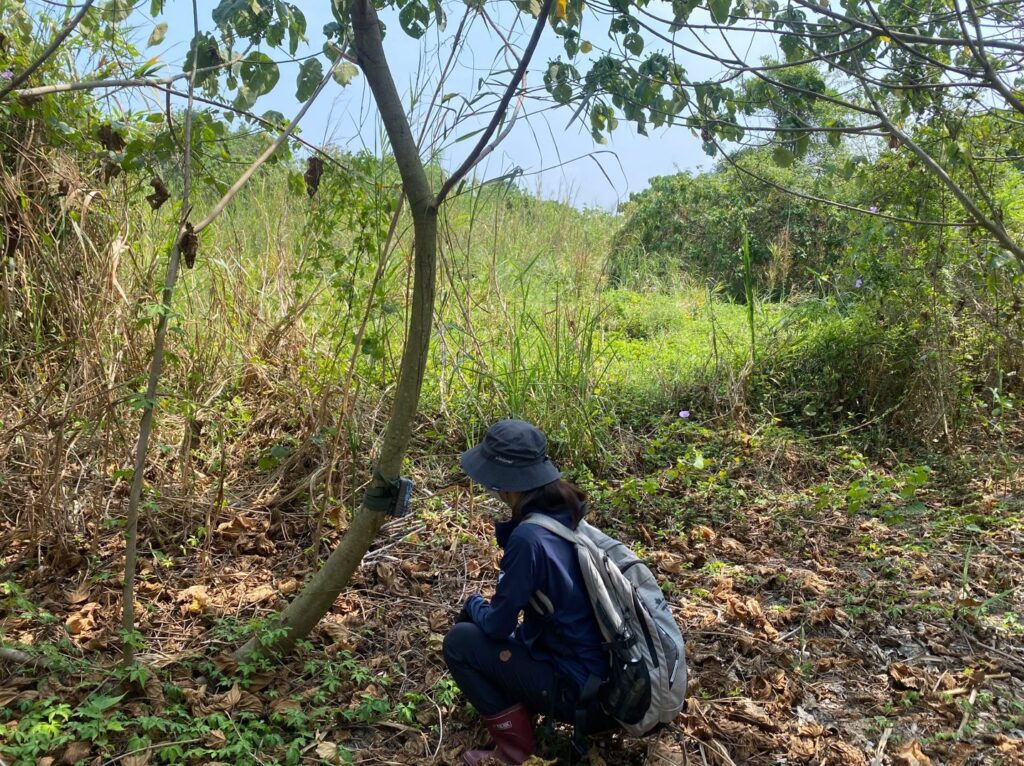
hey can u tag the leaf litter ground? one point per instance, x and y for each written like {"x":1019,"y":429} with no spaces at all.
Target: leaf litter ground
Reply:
{"x":891,"y":634}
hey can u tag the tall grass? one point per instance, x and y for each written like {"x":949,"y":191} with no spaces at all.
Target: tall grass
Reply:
{"x":286,"y":335}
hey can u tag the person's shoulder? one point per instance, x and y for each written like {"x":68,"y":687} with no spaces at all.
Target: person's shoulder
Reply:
{"x":528,"y":535}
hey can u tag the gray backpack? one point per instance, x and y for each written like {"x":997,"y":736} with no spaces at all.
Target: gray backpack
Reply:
{"x":647,"y":681}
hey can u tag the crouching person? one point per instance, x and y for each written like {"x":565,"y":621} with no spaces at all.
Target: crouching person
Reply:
{"x":510,"y":670}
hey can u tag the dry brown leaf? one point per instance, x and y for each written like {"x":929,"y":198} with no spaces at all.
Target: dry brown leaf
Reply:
{"x":288,"y":586}
{"x":328,"y":751}
{"x":802,"y":748}
{"x":828,"y":614}
{"x":439,"y":620}
{"x":923,"y":573}
{"x":79,"y":594}
{"x":702,"y":532}
{"x":47,"y":761}
{"x":838,"y":753}
{"x":910,"y":754}
{"x":284,"y":704}
{"x":215,"y":739}
{"x":84,"y":620}
{"x":962,"y":753}
{"x":905,"y":676}
{"x":748,"y":712}
{"x":137,"y":759}
{"x":259,"y":594}
{"x":193,"y":599}
{"x":75,"y":752}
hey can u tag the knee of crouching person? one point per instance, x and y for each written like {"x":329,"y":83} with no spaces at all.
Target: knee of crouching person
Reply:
{"x":461,"y":636}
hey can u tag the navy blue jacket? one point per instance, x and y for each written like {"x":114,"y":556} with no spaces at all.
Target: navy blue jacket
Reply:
{"x":536,"y":559}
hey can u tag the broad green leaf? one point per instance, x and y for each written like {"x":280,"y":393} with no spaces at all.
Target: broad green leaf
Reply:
{"x":782,"y":156}
{"x":414,"y":18}
{"x":259,"y":73}
{"x":634,"y":43}
{"x":344,"y":73}
{"x":310,"y":74}
{"x":158,"y":34}
{"x":116,"y":11}
{"x":719,"y":10}
{"x":156,"y":7}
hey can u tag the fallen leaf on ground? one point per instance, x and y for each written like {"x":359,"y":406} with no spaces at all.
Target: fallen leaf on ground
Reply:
{"x":84,"y":620}
{"x":910,"y":754}
{"x":76,"y":752}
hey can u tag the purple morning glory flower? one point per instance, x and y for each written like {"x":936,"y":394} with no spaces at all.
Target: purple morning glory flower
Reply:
{"x":684,"y":414}
{"x":8,"y":75}
{"x":858,"y":283}
{"x":873,"y":208}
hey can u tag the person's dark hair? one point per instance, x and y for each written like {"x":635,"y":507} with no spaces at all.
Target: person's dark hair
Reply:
{"x":558,"y":494}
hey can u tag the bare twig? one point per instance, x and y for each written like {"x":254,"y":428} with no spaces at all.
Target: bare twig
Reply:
{"x":880,"y":750}
{"x":499,"y":112}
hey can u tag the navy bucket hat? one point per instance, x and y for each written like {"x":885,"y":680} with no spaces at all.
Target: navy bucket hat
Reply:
{"x":512,"y":457}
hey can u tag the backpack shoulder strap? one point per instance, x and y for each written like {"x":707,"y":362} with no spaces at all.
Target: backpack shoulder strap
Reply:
{"x":552,"y":525}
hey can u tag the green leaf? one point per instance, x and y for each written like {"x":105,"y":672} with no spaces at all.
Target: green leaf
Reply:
{"x":634,"y":43}
{"x":344,"y":73}
{"x":156,"y":7}
{"x":95,"y":705}
{"x":783,"y":157}
{"x":116,"y":11}
{"x":719,"y":10}
{"x":414,"y":18}
{"x":158,"y":34}
{"x":259,"y":73}
{"x":310,"y":74}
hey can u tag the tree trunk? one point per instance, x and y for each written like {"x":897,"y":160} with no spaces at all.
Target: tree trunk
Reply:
{"x":318,"y":596}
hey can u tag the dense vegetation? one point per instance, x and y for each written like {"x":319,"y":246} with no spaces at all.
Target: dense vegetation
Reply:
{"x":801,"y":408}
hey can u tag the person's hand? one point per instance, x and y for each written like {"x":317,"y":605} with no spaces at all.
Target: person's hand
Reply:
{"x":464,"y":614}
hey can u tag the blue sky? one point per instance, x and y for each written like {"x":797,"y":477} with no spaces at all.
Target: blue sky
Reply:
{"x":558,"y":159}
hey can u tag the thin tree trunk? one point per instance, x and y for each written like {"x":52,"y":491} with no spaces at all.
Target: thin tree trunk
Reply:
{"x":316,"y":598}
{"x":155,"y":369}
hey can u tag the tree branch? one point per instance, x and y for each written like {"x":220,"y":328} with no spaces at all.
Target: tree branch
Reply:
{"x":499,"y":112}
{"x":978,"y":51}
{"x":995,"y":228}
{"x":903,"y":36}
{"x":50,"y":50}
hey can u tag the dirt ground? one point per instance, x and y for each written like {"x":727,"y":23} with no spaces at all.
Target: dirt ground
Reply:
{"x":814,"y":635}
